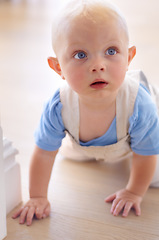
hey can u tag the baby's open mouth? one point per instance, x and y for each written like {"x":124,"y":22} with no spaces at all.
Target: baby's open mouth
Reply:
{"x":99,"y":84}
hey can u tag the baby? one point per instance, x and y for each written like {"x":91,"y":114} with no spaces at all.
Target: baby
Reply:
{"x":104,"y":112}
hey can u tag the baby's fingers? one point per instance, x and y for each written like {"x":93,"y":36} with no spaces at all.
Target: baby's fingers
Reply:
{"x":17,"y":213}
{"x":137,"y":209}
{"x":23,"y":215}
{"x":30,"y":216}
{"x":42,"y":211}
{"x":46,"y":211}
{"x":110,"y":198}
{"x":127,"y":209}
{"x":117,"y":206}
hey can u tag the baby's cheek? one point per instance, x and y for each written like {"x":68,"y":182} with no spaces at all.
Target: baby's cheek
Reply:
{"x":75,"y":80}
{"x":78,"y":77}
{"x":119,"y":73}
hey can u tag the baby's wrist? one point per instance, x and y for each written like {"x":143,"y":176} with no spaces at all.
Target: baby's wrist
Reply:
{"x":135,"y":191}
{"x":32,"y":196}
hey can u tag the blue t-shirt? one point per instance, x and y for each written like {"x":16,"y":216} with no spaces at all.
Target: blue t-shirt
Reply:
{"x":143,"y":126}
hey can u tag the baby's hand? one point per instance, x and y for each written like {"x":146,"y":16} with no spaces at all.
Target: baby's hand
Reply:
{"x":124,"y":200}
{"x":40,"y":207}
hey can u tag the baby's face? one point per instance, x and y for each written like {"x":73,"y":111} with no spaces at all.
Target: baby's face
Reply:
{"x":94,"y":56}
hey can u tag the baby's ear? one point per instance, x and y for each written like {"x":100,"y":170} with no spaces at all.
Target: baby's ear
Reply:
{"x":54,"y":64}
{"x":132,"y":53}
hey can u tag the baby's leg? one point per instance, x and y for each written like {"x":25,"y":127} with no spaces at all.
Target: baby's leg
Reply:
{"x":155,"y":180}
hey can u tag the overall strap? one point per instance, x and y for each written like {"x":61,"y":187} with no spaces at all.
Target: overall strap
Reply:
{"x":126,"y":100}
{"x":70,"y":111}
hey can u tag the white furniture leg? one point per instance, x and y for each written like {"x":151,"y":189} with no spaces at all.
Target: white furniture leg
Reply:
{"x":12,"y":176}
{"x":3,"y":231}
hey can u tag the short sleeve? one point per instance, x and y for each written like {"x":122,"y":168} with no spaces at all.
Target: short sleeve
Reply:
{"x":144,"y":125}
{"x":50,"y":131}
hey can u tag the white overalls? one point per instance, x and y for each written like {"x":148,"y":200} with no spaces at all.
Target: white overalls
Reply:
{"x":124,"y":109}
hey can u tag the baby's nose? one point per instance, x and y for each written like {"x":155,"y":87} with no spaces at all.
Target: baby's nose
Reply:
{"x":98,"y":69}
{"x":98,"y":66}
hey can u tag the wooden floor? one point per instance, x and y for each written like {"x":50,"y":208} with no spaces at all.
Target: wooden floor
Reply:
{"x":77,"y":190}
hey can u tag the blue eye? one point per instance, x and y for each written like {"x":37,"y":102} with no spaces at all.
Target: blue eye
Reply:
{"x":80,"y":55}
{"x":111,"y":51}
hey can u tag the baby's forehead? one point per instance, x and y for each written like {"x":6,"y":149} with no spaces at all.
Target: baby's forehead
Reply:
{"x":95,"y":12}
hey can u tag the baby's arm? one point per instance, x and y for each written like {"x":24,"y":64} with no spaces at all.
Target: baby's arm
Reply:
{"x":141,"y":174}
{"x":40,"y":172}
